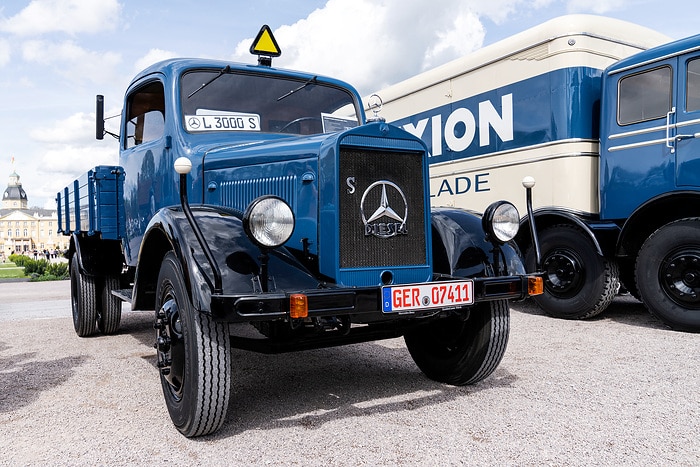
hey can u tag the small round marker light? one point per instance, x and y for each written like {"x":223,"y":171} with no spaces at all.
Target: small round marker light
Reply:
{"x":528,"y":181}
{"x":182,"y":165}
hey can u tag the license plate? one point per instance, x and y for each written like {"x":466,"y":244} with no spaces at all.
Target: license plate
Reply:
{"x":416,"y":297}
{"x":227,"y":121}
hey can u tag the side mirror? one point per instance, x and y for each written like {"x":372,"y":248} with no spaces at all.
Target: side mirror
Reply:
{"x":100,"y":117}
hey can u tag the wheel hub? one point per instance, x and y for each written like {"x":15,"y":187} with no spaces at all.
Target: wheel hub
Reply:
{"x":170,"y":346}
{"x":562,"y":271}
{"x":680,"y":277}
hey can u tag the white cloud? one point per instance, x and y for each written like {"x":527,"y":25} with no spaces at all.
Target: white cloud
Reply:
{"x":5,"y":52}
{"x":66,"y":16}
{"x":153,"y":56}
{"x":598,"y":7}
{"x":71,"y":146}
{"x":69,"y":150}
{"x":375,"y":43}
{"x":74,"y":160}
{"x":61,"y":164}
{"x":72,"y":61}
{"x":76,"y":129}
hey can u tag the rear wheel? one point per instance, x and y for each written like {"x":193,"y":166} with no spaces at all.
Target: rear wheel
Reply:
{"x":458,"y":351}
{"x":578,"y":282}
{"x":110,"y":314}
{"x":194,"y":356}
{"x":83,"y":297}
{"x":668,"y":274}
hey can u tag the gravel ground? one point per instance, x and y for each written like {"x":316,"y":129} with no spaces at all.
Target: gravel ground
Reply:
{"x":617,"y":390}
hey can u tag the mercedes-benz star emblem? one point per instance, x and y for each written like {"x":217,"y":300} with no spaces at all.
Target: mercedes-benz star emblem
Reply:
{"x":385,"y":228}
{"x":194,"y":123}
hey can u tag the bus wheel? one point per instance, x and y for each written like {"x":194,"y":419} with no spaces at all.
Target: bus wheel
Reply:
{"x":194,"y":356}
{"x":668,"y":274}
{"x":578,"y":282}
{"x":458,"y":351}
{"x":83,"y":298}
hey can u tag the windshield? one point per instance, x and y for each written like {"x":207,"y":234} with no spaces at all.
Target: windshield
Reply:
{"x":221,"y":100}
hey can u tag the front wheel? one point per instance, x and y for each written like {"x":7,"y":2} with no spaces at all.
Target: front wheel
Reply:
{"x":668,"y":274}
{"x":458,"y":351}
{"x":84,"y":300}
{"x":194,"y":356}
{"x":578,"y":282}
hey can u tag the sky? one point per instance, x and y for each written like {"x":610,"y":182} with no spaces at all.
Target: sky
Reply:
{"x":56,"y":55}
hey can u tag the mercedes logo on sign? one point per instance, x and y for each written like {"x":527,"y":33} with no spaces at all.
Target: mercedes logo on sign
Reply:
{"x":384,"y":221}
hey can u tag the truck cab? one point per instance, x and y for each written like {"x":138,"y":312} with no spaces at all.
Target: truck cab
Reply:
{"x":650,"y":176}
{"x":256,"y":208}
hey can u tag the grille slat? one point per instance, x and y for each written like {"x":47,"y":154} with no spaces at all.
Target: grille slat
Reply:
{"x":372,"y":230}
{"x":238,"y":194}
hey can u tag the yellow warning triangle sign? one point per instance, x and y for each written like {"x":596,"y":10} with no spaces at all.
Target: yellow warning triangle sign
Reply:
{"x":265,"y":43}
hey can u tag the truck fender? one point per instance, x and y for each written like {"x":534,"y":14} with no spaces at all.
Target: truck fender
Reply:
{"x":653,"y":214}
{"x":96,"y":257}
{"x":602,"y":234}
{"x":460,"y":247}
{"x":236,"y":256}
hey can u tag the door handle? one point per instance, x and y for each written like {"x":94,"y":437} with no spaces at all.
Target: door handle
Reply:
{"x":670,"y":143}
{"x":682,"y":137}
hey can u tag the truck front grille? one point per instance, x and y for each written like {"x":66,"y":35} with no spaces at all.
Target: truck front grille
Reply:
{"x":381,"y":208}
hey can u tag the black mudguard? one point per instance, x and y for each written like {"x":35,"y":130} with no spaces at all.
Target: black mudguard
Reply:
{"x":96,"y":257}
{"x":460,"y":247}
{"x":238,"y":259}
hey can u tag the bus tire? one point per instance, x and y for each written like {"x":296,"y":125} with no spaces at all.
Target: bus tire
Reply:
{"x":578,"y":282}
{"x":459,"y":352}
{"x":83,"y":298}
{"x":668,"y":274}
{"x":194,"y":356}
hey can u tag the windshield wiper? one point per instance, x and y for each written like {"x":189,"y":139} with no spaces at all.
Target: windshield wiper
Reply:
{"x":309,"y":81}
{"x":226,"y":69}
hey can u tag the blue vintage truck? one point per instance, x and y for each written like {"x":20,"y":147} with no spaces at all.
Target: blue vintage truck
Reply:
{"x":247,"y":200}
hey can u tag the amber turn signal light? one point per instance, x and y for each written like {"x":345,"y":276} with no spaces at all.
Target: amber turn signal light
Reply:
{"x":535,"y":285}
{"x":298,"y":306}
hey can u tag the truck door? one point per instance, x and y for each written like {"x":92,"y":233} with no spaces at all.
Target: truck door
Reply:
{"x":687,"y":140}
{"x":638,"y":154}
{"x":142,"y":154}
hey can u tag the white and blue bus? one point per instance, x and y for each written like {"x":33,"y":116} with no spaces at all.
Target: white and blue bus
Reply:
{"x":597,"y":110}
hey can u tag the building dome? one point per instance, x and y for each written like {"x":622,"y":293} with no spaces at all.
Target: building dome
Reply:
{"x":14,"y":196}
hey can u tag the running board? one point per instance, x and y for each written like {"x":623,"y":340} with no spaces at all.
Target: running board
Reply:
{"x":123,"y":294}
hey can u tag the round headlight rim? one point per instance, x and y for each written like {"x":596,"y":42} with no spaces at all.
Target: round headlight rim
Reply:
{"x":488,"y":221}
{"x":251,"y":210}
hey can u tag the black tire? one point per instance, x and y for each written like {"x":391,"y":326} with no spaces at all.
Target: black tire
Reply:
{"x":194,"y":356}
{"x":110,"y":313}
{"x":578,"y":282}
{"x":668,"y":274}
{"x":83,"y":297}
{"x":461,"y":352}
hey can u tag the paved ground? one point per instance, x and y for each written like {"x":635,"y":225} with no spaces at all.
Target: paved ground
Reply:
{"x":617,"y":390}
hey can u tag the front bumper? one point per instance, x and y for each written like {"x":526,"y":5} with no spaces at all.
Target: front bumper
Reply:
{"x":362,"y":303}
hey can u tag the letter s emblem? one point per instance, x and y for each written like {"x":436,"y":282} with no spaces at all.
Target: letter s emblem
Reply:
{"x":350,"y":181}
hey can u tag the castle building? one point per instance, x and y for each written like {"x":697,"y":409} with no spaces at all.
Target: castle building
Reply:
{"x":26,"y":229}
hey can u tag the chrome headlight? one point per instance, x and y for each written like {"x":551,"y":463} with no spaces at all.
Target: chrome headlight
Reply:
{"x":501,"y":221}
{"x":268,"y":221}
